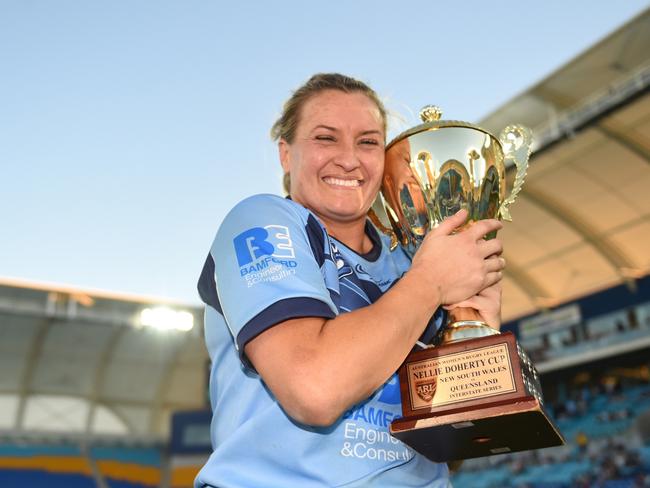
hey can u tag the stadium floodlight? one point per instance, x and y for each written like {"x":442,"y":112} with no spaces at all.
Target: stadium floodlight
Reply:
{"x":164,"y":318}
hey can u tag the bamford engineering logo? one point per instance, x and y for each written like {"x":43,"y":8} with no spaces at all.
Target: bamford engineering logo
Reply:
{"x":268,"y":250}
{"x":390,"y":393}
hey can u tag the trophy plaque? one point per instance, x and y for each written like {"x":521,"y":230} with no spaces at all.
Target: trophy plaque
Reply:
{"x":476,"y":393}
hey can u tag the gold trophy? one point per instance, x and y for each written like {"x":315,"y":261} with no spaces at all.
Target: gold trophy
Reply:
{"x":476,"y":393}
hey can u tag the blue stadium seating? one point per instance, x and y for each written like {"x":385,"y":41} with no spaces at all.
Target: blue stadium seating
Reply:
{"x":607,"y":419}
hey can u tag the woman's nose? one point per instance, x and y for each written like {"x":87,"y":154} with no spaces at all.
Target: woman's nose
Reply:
{"x":347,"y":157}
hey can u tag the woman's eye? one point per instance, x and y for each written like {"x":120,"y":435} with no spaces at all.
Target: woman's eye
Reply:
{"x":371,"y":142}
{"x":324,"y":137}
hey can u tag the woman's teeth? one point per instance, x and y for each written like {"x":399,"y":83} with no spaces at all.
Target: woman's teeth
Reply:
{"x":339,"y":182}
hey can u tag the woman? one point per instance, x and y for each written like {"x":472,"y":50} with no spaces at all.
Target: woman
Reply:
{"x":309,"y":314}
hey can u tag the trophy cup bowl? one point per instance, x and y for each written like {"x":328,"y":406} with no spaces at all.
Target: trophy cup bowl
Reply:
{"x":476,"y":393}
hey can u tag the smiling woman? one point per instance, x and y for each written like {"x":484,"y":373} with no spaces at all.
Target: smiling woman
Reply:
{"x":336,"y":161}
{"x":309,"y":312}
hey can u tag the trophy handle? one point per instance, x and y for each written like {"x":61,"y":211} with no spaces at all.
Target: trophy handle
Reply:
{"x":516,"y":141}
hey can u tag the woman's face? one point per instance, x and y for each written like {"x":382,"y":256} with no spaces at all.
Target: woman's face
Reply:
{"x":337,"y":157}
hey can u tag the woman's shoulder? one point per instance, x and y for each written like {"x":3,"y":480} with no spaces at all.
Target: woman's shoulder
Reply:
{"x":264,"y":210}
{"x":266,"y":203}
{"x":261,"y":199}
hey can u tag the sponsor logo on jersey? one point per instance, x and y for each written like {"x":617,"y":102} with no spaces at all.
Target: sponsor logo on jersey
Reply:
{"x":366,"y":434}
{"x":265,"y":254}
{"x":366,"y":442}
{"x":390,"y":393}
{"x":376,"y":414}
{"x":359,"y":269}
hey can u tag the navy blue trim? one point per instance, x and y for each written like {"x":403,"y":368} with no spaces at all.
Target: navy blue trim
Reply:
{"x":443,"y":315}
{"x":316,"y":239}
{"x":207,"y":286}
{"x":371,"y":289}
{"x":433,"y":331}
{"x":395,"y":282}
{"x":289,"y":308}
{"x":373,"y":235}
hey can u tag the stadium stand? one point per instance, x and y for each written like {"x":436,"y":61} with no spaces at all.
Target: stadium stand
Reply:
{"x":90,"y":381}
{"x":604,"y":449}
{"x":68,"y":465}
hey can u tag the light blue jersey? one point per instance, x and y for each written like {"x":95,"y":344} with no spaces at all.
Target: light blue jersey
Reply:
{"x":272,"y":261}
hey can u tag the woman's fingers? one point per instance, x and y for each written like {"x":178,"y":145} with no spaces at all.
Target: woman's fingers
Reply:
{"x":450,"y":224}
{"x":459,"y":264}
{"x":491,"y":247}
{"x":487,"y":303}
{"x":493,"y":278}
{"x":481,"y":228}
{"x":493,"y":291}
{"x":495,"y":263}
{"x":476,"y":302}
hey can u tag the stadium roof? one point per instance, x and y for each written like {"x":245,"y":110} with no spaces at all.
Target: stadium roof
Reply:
{"x":581,"y":223}
{"x":84,"y":363}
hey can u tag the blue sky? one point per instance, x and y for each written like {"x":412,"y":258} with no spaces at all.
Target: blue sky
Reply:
{"x":128,"y":129}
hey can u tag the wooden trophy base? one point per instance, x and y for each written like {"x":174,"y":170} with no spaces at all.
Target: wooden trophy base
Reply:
{"x":473,"y":398}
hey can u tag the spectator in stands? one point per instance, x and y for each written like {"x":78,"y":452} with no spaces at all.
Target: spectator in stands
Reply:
{"x":571,"y":407}
{"x":582,"y":441}
{"x":632,"y":318}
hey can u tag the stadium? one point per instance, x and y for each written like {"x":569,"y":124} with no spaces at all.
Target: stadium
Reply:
{"x":109,"y":390}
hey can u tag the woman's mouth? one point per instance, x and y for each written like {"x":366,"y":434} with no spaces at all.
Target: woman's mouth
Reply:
{"x":330,"y":180}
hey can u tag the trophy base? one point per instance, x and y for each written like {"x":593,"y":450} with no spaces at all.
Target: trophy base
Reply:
{"x":510,"y":427}
{"x":472,"y":398}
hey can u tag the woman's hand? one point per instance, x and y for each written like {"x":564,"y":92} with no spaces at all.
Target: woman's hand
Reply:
{"x":487,"y":303}
{"x":457,"y":266}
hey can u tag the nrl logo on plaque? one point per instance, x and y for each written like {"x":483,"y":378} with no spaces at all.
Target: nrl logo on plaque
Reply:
{"x":426,"y":389}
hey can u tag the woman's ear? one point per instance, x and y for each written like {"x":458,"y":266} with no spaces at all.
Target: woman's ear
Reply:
{"x":283,"y":151}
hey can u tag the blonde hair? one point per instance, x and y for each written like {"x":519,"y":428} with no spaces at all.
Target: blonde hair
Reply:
{"x":285,"y":127}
